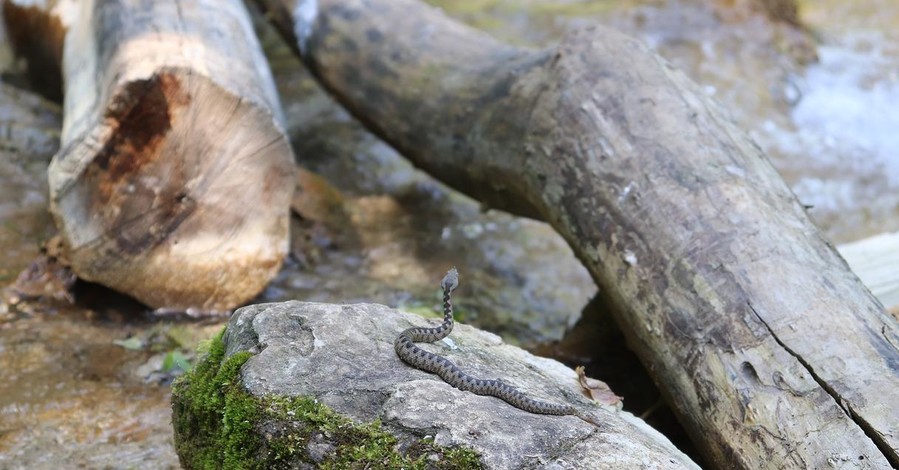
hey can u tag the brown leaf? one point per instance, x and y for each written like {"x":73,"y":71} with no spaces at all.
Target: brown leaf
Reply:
{"x":596,"y":390}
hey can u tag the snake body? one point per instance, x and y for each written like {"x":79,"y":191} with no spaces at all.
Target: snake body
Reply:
{"x":419,"y":358}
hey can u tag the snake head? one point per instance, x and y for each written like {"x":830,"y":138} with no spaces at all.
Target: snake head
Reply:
{"x":450,"y":281}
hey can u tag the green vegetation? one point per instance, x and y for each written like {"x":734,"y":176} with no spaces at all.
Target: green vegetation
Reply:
{"x":173,"y":342}
{"x":219,"y":425}
{"x":212,"y":415}
{"x":176,"y":361}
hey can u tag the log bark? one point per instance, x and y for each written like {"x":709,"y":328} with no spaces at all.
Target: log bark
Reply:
{"x":174,"y":180}
{"x":769,"y":348}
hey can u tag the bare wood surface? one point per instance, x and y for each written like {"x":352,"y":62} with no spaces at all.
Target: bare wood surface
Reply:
{"x":175,"y":175}
{"x":772,"y":352}
{"x":876,"y":261}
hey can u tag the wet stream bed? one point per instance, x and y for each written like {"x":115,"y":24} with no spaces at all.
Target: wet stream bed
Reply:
{"x":88,"y":385}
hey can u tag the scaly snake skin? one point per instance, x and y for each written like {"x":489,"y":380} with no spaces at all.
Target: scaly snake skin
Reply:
{"x":451,"y":374}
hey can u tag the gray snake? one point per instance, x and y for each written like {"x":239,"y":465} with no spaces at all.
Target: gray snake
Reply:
{"x":405,"y":348}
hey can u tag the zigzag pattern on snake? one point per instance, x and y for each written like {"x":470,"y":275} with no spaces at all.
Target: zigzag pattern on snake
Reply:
{"x":451,"y":374}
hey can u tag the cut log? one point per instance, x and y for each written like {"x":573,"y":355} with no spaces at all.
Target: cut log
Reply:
{"x":175,"y":176}
{"x":769,"y":348}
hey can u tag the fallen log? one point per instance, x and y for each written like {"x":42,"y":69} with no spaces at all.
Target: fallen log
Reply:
{"x":768,"y":347}
{"x":175,"y":175}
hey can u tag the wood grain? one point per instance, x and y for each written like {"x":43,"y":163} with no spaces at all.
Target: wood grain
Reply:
{"x":175,"y":175}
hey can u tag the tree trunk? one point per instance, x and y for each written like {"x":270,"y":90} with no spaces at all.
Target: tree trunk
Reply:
{"x":766,"y":344}
{"x":174,"y":180}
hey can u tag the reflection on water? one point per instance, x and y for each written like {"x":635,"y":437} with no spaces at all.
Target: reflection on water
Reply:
{"x":846,"y":120}
{"x":849,"y":99}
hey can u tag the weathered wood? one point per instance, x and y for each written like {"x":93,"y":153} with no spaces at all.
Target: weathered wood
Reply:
{"x":175,"y":175}
{"x":875,"y":260}
{"x":769,"y":348}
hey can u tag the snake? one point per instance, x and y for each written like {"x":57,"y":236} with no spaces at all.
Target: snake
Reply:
{"x":405,"y":348}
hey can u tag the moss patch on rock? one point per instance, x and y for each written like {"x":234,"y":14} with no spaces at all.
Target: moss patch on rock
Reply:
{"x":218,"y":424}
{"x":212,"y":415}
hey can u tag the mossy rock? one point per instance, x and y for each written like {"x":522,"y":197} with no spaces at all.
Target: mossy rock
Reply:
{"x":312,"y":385}
{"x":218,"y":425}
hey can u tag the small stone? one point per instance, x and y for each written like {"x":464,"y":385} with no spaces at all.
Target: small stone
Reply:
{"x":319,"y":449}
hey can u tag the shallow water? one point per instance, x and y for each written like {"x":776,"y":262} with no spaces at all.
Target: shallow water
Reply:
{"x":70,"y":396}
{"x":828,"y":126}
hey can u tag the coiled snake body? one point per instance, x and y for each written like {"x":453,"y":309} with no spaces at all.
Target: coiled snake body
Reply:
{"x":451,"y":374}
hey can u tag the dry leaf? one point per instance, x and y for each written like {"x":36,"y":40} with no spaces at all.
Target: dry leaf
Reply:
{"x":596,"y":390}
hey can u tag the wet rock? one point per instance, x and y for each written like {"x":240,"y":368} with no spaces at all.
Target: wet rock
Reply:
{"x":341,"y":357}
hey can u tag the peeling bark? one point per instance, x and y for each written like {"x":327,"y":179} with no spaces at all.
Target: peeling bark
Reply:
{"x":766,"y":344}
{"x":174,"y":178}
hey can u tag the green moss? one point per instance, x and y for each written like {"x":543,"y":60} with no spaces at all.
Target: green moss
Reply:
{"x":219,"y":425}
{"x":356,"y":445}
{"x":213,"y":416}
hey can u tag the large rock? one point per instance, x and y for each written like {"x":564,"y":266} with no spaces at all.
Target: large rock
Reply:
{"x":309,"y":366}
